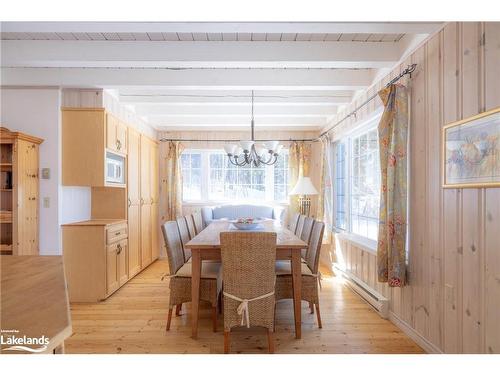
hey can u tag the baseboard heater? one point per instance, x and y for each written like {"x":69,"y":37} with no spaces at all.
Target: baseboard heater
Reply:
{"x":374,"y":298}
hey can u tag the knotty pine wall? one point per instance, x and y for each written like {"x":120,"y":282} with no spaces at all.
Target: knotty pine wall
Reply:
{"x":453,"y":300}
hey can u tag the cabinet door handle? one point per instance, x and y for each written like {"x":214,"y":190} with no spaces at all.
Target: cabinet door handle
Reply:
{"x":142,"y":201}
{"x":129,"y":202}
{"x":119,"y":247}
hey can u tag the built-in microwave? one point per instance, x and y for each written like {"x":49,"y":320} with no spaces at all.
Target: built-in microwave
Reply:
{"x":115,"y":168}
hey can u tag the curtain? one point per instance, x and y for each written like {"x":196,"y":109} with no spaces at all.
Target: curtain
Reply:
{"x":298,"y":165}
{"x":173,"y":181}
{"x":325,"y":204}
{"x":393,"y":145}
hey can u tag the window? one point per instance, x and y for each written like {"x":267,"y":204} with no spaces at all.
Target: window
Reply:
{"x":357,"y":183}
{"x":209,"y":176}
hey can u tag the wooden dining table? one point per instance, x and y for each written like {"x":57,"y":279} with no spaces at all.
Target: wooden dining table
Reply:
{"x":206,"y":246}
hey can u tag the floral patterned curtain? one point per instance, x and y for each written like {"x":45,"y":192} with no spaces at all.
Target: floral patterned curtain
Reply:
{"x":325,"y":205}
{"x":298,"y":165}
{"x":173,"y":181}
{"x":393,"y":144}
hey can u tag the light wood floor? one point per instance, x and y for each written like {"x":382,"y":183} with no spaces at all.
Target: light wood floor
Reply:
{"x":133,"y":321}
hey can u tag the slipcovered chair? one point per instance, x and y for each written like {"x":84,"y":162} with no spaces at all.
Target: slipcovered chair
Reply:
{"x":198,"y":222}
{"x":300,"y":225}
{"x":292,"y":226}
{"x":248,"y":262}
{"x":306,"y":234}
{"x":310,"y":273}
{"x":190,"y":225}
{"x":184,"y":235}
{"x":180,"y":276}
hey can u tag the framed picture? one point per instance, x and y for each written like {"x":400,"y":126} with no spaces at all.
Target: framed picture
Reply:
{"x":471,"y":151}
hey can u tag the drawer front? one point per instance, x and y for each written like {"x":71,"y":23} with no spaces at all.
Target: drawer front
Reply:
{"x":116,"y":233}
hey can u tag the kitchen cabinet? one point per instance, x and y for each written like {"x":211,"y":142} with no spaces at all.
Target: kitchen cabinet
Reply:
{"x":95,"y":254}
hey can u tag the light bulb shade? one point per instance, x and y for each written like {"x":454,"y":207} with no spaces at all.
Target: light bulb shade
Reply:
{"x":230,"y":149}
{"x":238,"y":151}
{"x":246,"y":145}
{"x":303,"y":186}
{"x":260,"y":150}
{"x":271,"y":145}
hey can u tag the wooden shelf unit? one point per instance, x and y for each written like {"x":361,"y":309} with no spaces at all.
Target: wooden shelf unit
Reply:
{"x":19,"y":188}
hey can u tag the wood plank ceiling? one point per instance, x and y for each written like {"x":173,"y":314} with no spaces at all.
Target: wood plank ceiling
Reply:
{"x":191,"y":76}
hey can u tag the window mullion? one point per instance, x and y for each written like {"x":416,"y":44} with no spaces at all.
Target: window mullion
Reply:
{"x":205,"y":174}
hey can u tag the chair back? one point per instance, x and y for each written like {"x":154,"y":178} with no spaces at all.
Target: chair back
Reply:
{"x":184,"y":234}
{"x":300,"y":225}
{"x":198,"y":222}
{"x":292,"y":226}
{"x":173,"y":244}
{"x":248,"y":266}
{"x":190,"y":226}
{"x":306,"y":233}
{"x":313,"y":253}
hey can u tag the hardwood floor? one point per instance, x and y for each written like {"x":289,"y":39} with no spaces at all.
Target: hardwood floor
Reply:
{"x":133,"y":320}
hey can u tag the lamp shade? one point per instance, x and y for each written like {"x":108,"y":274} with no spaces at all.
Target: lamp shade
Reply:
{"x":304,"y":186}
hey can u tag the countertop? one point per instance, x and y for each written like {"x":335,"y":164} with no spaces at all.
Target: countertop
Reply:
{"x":34,"y":301}
{"x":96,"y":222}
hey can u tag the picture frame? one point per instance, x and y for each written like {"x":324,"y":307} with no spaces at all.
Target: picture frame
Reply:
{"x":471,"y":151}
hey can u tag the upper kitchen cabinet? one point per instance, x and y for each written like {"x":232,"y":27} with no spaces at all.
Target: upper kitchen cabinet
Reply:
{"x":116,"y":134}
{"x":87,"y":158}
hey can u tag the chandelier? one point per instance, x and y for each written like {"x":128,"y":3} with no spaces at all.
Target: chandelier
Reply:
{"x":249,"y":153}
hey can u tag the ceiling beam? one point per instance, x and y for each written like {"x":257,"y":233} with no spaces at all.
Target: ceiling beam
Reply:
{"x":139,"y":54}
{"x":224,"y":27}
{"x":240,"y":110}
{"x":192,"y":79}
{"x":204,"y":121}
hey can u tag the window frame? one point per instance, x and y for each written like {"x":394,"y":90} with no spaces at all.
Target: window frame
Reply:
{"x":365,"y":243}
{"x":205,"y":181}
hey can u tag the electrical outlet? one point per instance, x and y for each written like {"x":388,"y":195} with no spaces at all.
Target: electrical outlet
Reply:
{"x":46,"y":173}
{"x":46,"y":202}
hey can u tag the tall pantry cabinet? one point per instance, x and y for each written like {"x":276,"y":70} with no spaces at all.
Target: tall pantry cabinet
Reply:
{"x":142,"y":200}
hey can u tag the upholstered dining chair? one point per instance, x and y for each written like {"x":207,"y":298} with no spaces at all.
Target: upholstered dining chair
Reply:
{"x":198,"y":221}
{"x":305,"y":235}
{"x":190,"y":225}
{"x":180,"y":276}
{"x":310,"y":273}
{"x":300,"y":225}
{"x":184,"y":234}
{"x":248,"y":264}
{"x":292,"y":225}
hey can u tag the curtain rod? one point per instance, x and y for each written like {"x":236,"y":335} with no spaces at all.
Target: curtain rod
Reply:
{"x":408,"y":71}
{"x":235,"y":140}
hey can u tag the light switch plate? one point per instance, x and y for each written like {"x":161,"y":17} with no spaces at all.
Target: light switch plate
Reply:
{"x":46,"y":202}
{"x":45,"y":173}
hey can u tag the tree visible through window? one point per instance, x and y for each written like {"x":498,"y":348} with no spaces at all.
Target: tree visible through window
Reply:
{"x":209,"y":176}
{"x":357,"y":184}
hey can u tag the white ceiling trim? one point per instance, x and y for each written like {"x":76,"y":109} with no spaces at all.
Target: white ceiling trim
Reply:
{"x":224,"y":27}
{"x":193,"y":79}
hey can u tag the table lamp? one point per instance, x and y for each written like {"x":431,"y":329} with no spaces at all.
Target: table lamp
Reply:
{"x":304,"y":188}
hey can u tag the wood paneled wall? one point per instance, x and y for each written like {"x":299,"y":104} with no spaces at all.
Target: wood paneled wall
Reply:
{"x":453,"y":297}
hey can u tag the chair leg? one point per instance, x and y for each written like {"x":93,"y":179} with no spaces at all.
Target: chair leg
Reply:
{"x":274,"y":319}
{"x":178,"y":309}
{"x":311,"y":307}
{"x":270,"y":339}
{"x":169,"y":319}
{"x":226,"y":341}
{"x":318,"y":315}
{"x":214,"y":318}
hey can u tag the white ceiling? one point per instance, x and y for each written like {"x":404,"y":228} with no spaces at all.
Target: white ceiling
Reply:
{"x":190,"y":76}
